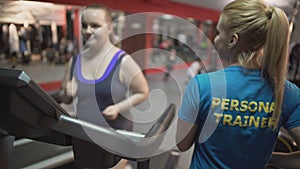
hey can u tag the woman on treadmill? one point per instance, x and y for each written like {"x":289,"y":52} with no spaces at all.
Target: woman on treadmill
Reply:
{"x":102,"y":74}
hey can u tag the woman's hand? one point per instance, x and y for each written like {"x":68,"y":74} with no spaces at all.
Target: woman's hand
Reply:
{"x":111,"y":112}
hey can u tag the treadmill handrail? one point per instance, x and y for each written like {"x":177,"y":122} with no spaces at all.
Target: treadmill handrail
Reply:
{"x":163,"y":122}
{"x":112,"y":141}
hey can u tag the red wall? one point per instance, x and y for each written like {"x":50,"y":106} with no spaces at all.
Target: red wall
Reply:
{"x":164,"y":6}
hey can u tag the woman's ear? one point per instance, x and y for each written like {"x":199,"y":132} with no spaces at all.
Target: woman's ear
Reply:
{"x":110,"y":28}
{"x":233,"y":41}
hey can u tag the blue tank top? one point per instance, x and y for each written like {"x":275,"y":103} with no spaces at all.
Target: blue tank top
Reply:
{"x":95,"y":95}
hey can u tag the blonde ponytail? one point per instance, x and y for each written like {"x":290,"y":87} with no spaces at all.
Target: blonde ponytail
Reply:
{"x":275,"y":56}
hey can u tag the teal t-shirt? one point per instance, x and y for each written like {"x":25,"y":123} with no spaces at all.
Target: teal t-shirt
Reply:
{"x":233,"y":109}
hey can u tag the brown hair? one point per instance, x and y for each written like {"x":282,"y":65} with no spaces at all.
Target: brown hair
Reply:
{"x":264,"y":29}
{"x":106,"y":9}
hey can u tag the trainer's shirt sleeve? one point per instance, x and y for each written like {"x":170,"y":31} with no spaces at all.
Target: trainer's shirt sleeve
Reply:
{"x":294,"y":119}
{"x":190,"y":102}
{"x":293,"y":105}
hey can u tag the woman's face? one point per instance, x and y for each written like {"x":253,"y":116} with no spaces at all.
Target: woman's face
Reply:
{"x":222,"y":40}
{"x":95,"y":28}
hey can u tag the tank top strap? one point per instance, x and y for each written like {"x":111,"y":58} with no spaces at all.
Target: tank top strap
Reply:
{"x":120,"y":56}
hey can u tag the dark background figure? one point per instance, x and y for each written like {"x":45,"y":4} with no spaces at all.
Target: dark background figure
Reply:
{"x":171,"y":60}
{"x":294,"y":61}
{"x":23,"y":42}
{"x":4,"y":48}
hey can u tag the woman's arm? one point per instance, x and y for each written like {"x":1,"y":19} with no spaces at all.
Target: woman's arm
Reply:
{"x":187,"y":125}
{"x":133,"y":78}
{"x":185,"y":134}
{"x":64,"y":94}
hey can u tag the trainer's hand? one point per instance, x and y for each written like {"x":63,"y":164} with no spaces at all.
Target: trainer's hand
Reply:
{"x":71,"y":87}
{"x":111,"y":112}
